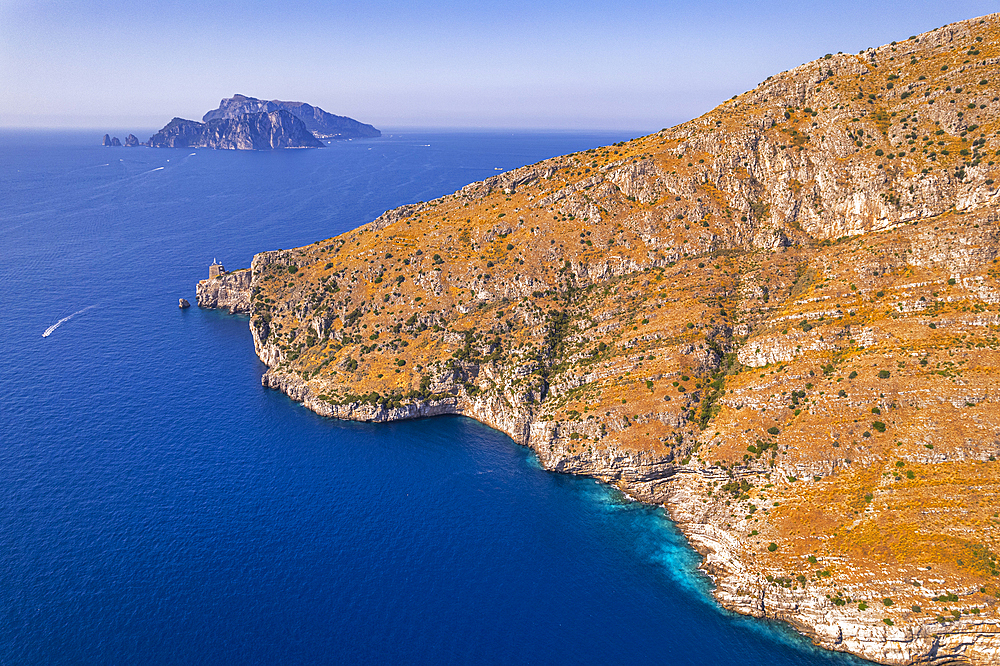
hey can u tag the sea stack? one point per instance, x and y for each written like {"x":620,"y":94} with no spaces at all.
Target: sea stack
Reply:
{"x":183,"y":303}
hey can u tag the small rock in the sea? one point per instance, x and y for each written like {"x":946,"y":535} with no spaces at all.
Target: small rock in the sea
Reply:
{"x":183,"y":303}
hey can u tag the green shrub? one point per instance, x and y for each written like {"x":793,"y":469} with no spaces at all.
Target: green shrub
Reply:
{"x":772,"y":547}
{"x":878,"y":425}
{"x":883,"y":374}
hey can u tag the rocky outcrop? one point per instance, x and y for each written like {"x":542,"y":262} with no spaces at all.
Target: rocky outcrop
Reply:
{"x":111,"y":141}
{"x":229,"y":291}
{"x":821,"y":612}
{"x":183,"y":303}
{"x":319,"y":122}
{"x":131,"y":141}
{"x":254,"y":131}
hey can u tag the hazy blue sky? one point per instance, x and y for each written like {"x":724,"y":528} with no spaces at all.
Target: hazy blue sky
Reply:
{"x":519,"y":63}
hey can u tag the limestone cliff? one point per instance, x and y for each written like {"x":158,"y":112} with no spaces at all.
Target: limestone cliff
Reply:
{"x":253,"y":131}
{"x":229,"y":291}
{"x":780,"y":320}
{"x":316,"y":120}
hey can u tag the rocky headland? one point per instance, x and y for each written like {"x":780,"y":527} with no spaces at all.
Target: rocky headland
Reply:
{"x":779,"y":320}
{"x":229,"y":291}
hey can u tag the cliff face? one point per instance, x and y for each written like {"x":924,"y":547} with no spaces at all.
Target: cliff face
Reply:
{"x":780,"y":320}
{"x":253,"y":131}
{"x":318,"y":121}
{"x":229,"y":291}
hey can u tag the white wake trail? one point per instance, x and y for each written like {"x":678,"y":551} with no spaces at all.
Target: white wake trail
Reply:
{"x":59,"y":323}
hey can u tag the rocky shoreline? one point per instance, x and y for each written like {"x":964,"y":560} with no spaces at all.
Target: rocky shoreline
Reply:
{"x":739,"y":585}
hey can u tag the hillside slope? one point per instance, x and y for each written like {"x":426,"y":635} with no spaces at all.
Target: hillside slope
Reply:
{"x":781,"y":320}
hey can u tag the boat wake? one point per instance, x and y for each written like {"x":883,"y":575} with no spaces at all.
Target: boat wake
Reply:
{"x":59,"y":323}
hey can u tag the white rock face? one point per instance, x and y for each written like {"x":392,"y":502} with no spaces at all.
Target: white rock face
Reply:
{"x":229,"y":291}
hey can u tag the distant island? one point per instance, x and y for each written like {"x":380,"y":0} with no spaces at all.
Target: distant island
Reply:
{"x":250,"y":131}
{"x":322,"y":124}
{"x":248,"y":123}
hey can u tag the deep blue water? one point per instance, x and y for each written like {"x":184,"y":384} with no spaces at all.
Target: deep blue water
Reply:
{"x":159,"y":506}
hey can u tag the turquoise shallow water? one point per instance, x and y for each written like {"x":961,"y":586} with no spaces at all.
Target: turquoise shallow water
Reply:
{"x":159,"y":506}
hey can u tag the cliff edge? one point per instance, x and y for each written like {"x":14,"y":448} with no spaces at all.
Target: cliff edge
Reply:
{"x":228,"y":291}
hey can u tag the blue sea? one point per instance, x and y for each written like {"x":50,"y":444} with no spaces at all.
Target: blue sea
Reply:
{"x":160,"y":507}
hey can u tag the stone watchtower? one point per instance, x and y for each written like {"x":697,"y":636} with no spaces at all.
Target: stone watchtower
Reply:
{"x":216,"y":270}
